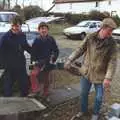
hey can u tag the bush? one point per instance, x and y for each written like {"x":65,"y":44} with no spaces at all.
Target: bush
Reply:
{"x":75,"y":18}
{"x":18,"y":9}
{"x":96,"y":15}
{"x":32,"y":11}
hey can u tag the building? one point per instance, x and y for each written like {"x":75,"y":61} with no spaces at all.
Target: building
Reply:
{"x":80,"y":6}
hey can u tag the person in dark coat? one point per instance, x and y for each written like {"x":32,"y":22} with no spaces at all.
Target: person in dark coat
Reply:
{"x":44,"y":51}
{"x":12,"y":48}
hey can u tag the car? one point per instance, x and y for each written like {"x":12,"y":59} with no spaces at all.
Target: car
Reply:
{"x":5,"y":18}
{"x":80,"y":30}
{"x":34,"y":22}
{"x":116,"y":35}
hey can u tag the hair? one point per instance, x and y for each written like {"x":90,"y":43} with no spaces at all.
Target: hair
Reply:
{"x":107,"y":26}
{"x":16,"y":20}
{"x":43,"y":24}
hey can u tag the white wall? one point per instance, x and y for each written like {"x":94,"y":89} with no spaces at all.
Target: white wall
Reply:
{"x":86,"y":7}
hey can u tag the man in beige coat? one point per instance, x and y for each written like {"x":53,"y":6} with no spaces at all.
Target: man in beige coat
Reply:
{"x":99,"y":50}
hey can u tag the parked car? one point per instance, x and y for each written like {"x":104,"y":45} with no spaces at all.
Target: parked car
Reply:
{"x":80,"y":30}
{"x":5,"y":18}
{"x":116,"y":35}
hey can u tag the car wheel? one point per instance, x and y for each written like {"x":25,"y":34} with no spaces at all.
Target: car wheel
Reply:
{"x":82,"y":36}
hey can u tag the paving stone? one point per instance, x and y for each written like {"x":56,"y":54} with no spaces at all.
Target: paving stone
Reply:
{"x":15,"y":105}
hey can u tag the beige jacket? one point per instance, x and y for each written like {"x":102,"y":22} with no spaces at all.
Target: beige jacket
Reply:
{"x":99,"y":58}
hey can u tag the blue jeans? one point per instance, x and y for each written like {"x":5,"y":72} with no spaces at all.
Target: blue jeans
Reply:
{"x":85,"y":86}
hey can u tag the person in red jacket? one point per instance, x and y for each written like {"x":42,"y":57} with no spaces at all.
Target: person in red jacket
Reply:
{"x":44,"y":51}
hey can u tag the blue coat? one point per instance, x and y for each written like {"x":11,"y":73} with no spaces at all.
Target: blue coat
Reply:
{"x":43,"y":48}
{"x":12,"y":48}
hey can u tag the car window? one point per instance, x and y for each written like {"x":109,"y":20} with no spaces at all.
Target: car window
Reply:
{"x":30,"y":36}
{"x":84,"y":24}
{"x":6,"y":17}
{"x":99,"y":25}
{"x":93,"y":25}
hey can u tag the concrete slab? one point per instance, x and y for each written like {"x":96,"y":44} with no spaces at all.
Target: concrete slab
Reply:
{"x":15,"y":105}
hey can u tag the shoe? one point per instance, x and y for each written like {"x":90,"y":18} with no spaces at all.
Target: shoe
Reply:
{"x":32,"y":95}
{"x":94,"y":117}
{"x":77,"y":116}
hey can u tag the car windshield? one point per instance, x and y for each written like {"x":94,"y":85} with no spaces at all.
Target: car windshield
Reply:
{"x":6,"y":17}
{"x":84,"y":24}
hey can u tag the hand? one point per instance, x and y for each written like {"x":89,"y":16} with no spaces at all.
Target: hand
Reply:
{"x":74,"y":70}
{"x":67,"y":65}
{"x":106,"y":83}
{"x":34,"y":62}
{"x":52,"y":59}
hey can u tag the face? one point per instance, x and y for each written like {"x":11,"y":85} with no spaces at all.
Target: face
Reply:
{"x":16,"y":28}
{"x":43,"y":31}
{"x":105,"y":32}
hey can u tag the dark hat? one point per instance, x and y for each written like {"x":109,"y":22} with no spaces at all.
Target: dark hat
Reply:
{"x":43,"y":24}
{"x":16,"y":20}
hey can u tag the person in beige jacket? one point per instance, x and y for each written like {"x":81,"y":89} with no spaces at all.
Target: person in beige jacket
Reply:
{"x":99,"y":50}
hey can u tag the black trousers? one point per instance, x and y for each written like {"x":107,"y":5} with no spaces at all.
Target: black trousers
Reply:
{"x":10,"y":76}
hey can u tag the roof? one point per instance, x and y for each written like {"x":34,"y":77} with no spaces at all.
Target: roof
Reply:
{"x":7,"y":12}
{"x":74,"y":1}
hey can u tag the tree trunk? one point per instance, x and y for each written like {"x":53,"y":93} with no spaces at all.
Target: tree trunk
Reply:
{"x":23,"y":3}
{"x":3,"y":4}
{"x":16,"y":2}
{"x":50,"y":8}
{"x":8,"y":4}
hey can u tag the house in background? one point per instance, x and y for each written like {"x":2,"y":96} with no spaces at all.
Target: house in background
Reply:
{"x":85,"y":6}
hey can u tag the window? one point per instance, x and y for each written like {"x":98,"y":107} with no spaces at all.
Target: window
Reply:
{"x":6,"y":17}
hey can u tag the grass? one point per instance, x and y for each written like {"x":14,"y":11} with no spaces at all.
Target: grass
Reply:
{"x":57,"y":29}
